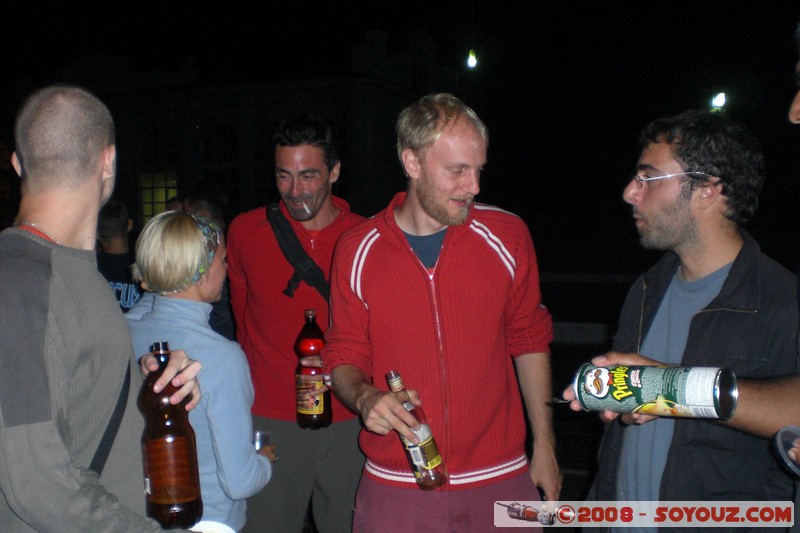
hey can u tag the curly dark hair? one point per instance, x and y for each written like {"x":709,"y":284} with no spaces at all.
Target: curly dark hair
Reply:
{"x":711,"y":142}
{"x":797,"y":37}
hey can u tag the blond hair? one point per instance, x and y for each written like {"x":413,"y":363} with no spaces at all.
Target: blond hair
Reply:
{"x":174,"y":250}
{"x":421,"y":123}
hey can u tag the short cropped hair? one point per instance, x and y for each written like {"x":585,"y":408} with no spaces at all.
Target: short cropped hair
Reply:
{"x":421,"y":123}
{"x":711,"y":142}
{"x":174,"y":250}
{"x":310,"y":130}
{"x":214,"y":205}
{"x":61,"y":132}
{"x":112,"y":221}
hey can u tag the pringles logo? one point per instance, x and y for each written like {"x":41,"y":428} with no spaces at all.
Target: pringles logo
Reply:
{"x":601,"y":381}
{"x":597,"y":382}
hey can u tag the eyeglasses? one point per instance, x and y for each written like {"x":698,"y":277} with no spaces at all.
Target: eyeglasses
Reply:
{"x":640,"y":180}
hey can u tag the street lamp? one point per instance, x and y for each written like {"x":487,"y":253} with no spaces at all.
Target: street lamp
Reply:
{"x":718,"y":102}
{"x":472,"y":60}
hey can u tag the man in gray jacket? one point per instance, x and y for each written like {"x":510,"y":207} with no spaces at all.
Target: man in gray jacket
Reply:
{"x":66,"y":356}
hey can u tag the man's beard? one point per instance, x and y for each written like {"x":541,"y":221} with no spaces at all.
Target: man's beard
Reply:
{"x":669,"y":229}
{"x":426,"y":193}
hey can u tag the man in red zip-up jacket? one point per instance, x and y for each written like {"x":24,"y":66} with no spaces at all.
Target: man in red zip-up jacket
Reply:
{"x":446,"y":292}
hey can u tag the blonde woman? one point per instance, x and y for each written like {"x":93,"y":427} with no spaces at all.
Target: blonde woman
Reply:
{"x":180,"y":258}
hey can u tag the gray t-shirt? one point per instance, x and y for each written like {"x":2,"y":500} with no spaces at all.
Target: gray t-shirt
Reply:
{"x":645,"y":447}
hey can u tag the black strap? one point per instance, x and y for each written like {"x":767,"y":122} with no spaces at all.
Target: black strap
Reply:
{"x":103,"y":449}
{"x":304,"y":267}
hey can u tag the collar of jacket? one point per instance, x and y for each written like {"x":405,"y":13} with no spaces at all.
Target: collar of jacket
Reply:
{"x":741,"y":290}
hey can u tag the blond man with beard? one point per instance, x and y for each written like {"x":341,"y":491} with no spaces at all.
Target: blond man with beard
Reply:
{"x":446,"y":292}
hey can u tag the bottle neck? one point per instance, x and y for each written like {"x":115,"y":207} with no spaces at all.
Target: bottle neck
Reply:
{"x":402,"y":396}
{"x":162,"y":358}
{"x":160,"y":351}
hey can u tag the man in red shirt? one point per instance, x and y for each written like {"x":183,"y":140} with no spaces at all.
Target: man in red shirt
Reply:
{"x":444,"y":291}
{"x":321,"y":465}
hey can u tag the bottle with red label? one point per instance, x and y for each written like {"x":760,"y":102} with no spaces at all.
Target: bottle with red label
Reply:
{"x":313,"y":411}
{"x":424,"y":458}
{"x":169,"y":453}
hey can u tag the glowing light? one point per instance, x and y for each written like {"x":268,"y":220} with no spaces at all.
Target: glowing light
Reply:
{"x":718,"y":101}
{"x":472,"y":61}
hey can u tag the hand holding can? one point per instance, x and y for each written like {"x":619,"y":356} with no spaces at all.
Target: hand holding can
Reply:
{"x":691,"y":392}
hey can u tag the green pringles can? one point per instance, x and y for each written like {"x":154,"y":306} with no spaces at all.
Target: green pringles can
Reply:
{"x":690,"y":392}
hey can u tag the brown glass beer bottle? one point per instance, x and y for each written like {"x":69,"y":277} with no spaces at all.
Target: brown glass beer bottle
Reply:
{"x":313,"y":412}
{"x":169,"y":453}
{"x":424,"y":458}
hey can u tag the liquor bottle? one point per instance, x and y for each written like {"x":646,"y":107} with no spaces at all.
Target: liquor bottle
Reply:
{"x":169,"y":453}
{"x":313,"y":412}
{"x":424,"y":458}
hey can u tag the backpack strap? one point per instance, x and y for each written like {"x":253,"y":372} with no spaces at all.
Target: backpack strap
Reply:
{"x":304,"y":267}
{"x":103,"y":449}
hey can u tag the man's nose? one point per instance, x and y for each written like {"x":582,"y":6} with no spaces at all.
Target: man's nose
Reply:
{"x":631,"y":192}
{"x":297,"y":186}
{"x":472,"y":183}
{"x":794,"y":109}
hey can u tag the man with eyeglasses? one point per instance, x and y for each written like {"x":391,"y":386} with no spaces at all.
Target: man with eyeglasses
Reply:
{"x":714,"y":299}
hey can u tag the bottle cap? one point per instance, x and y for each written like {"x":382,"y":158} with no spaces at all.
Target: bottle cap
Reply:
{"x":158,"y":347}
{"x":310,"y":313}
{"x":394,"y":380}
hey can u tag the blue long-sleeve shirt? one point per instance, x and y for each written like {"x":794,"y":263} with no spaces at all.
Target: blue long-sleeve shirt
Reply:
{"x":230,"y":469}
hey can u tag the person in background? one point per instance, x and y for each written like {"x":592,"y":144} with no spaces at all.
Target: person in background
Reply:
{"x":173,"y":203}
{"x":180,"y":258}
{"x":58,"y":472}
{"x":113,"y":256}
{"x":446,"y":292}
{"x":714,"y":300}
{"x":321,"y":466}
{"x":201,"y":201}
{"x":212,"y":207}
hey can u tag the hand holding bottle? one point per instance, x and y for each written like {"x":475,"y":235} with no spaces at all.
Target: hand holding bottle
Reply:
{"x":382,"y":413}
{"x":422,"y":452}
{"x":181,"y":372}
{"x":169,"y":452}
{"x":313,"y":396}
{"x":313,"y":361}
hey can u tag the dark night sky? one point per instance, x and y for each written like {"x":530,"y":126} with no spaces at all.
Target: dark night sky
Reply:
{"x":564,"y":86}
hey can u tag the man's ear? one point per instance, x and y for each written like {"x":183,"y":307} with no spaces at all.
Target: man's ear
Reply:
{"x":710,"y":193}
{"x":109,"y":161}
{"x":16,"y":164}
{"x":411,"y":163}
{"x":334,"y":173}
